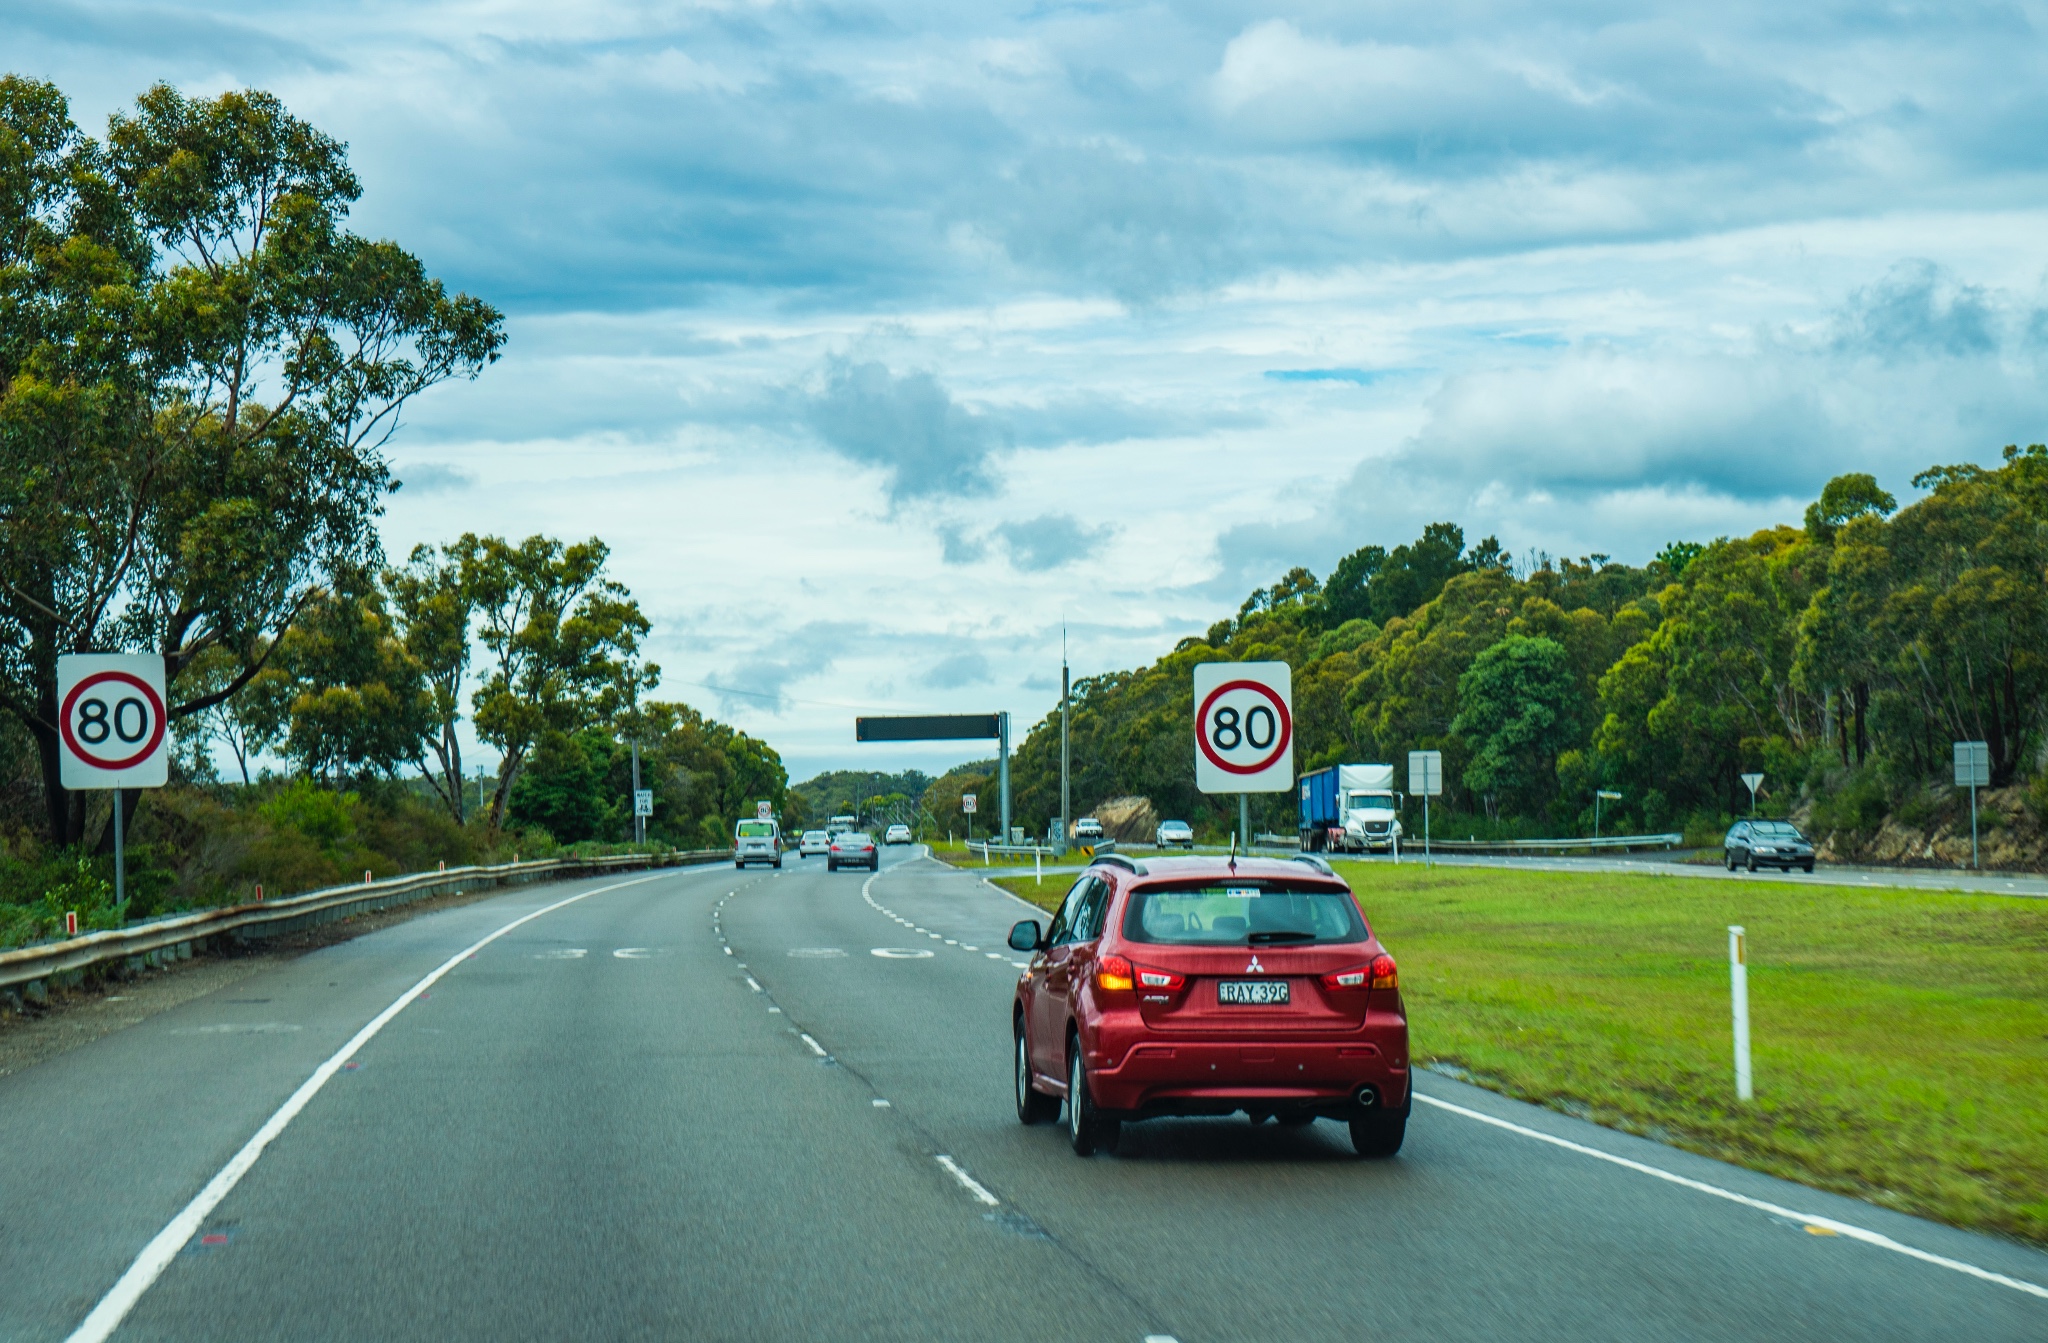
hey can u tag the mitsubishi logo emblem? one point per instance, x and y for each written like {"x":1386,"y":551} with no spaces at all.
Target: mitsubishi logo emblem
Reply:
{"x":1255,"y":968}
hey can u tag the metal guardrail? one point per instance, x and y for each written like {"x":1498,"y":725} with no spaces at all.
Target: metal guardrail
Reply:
{"x":1020,"y":850}
{"x":1665,"y":841}
{"x":145,"y":942}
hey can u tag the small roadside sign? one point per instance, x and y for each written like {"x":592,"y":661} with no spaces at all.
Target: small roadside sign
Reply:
{"x":1426,"y":773}
{"x":643,"y":802}
{"x":764,"y":811}
{"x":1973,"y":764}
{"x":967,"y":803}
{"x":112,"y":724}
{"x":1244,"y":727}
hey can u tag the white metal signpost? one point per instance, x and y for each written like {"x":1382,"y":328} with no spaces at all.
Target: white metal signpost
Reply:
{"x":1244,"y":732}
{"x":1753,"y":782}
{"x":113,"y":730}
{"x":1425,"y":780}
{"x":1973,"y":771}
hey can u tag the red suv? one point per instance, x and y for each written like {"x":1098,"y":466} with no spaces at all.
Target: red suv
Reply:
{"x":1195,"y":986}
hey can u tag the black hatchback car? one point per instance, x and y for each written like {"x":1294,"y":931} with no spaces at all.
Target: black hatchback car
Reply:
{"x":1755,"y":844}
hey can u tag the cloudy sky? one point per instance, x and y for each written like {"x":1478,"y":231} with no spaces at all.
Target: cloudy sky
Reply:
{"x":878,"y":339}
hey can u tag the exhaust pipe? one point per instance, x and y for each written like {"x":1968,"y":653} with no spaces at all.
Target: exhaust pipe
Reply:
{"x":1367,"y":1098}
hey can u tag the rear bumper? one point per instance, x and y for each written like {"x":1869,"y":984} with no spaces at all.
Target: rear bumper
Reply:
{"x":1220,"y":1077}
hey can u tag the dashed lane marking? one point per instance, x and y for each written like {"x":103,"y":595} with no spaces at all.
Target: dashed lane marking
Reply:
{"x":753,"y":984}
{"x":815,"y":1047}
{"x":903,"y":953}
{"x":1809,"y":1220}
{"x":969,"y":1183}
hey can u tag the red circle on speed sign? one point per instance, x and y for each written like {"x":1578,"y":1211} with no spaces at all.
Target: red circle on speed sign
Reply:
{"x":86,"y":750}
{"x":1283,"y":739}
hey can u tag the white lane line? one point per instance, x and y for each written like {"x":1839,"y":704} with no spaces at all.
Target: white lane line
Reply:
{"x":969,"y":1183}
{"x":157,"y":1255}
{"x":816,"y":1048}
{"x":1809,"y":1219}
{"x":753,"y":984}
{"x":880,"y":1104}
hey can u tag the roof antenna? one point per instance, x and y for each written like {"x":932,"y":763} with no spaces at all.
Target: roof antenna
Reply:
{"x":1233,"y":853}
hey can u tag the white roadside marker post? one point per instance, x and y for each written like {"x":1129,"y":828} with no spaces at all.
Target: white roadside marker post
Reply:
{"x":1738,"y":988}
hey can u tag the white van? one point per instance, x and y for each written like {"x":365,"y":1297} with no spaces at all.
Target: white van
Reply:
{"x":757,"y":842}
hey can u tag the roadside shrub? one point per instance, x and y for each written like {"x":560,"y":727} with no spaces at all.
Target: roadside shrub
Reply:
{"x":1856,"y":805}
{"x":321,"y":815}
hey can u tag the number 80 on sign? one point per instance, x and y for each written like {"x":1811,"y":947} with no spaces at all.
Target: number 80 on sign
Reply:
{"x":112,"y":725}
{"x":1244,"y":727}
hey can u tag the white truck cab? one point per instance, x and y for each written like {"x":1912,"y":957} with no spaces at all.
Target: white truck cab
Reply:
{"x":1368,"y":807}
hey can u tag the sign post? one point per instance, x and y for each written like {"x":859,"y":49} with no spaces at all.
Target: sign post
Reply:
{"x":1244,"y":733}
{"x":1600,"y":795}
{"x":1426,"y":780}
{"x":1973,"y":771}
{"x":113,"y":732}
{"x":967,"y":804}
{"x":1754,"y":782}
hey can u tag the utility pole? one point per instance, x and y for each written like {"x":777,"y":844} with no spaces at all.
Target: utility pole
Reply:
{"x":639,"y":821}
{"x":1066,"y":796}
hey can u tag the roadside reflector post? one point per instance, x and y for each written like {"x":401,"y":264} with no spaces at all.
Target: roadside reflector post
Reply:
{"x":1038,"y":864}
{"x":366,"y":876}
{"x":259,"y":892}
{"x":70,"y":923}
{"x":1738,"y":990}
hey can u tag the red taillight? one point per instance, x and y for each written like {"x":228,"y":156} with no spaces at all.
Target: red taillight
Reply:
{"x":1113,"y":972}
{"x":1384,"y":975}
{"x":1380,"y":974}
{"x":1160,"y":979}
{"x":1347,"y":979}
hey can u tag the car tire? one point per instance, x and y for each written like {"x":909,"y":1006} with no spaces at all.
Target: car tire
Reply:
{"x":1752,"y":862}
{"x":1033,"y":1105}
{"x":738,"y":866}
{"x":831,"y":866}
{"x":1729,"y":855}
{"x":1379,"y":1133}
{"x":1088,"y":1129}
{"x":1807,"y":868}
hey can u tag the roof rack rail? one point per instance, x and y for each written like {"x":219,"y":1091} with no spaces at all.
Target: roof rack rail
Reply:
{"x":1314,"y":862}
{"x":1118,"y":860}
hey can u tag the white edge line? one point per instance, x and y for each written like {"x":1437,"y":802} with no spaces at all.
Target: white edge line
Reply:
{"x":1811,"y":1219}
{"x":816,"y":1048}
{"x":970,"y":1184}
{"x":157,"y":1255}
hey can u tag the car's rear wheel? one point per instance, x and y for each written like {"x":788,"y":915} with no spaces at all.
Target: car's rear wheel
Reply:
{"x":1033,"y":1105}
{"x":1088,"y":1128}
{"x":1379,"y":1133}
{"x":1729,"y":854}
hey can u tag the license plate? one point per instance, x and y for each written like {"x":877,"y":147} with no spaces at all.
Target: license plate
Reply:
{"x":1251,"y":992}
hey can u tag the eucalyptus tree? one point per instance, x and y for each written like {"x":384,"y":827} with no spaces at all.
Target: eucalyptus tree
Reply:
{"x":199,"y":369}
{"x":563,"y":640}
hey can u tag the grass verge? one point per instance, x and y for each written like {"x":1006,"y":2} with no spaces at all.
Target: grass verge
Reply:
{"x":1900,"y":1038}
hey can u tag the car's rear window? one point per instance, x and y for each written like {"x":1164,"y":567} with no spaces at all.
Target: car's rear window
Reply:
{"x":855,"y":837}
{"x":757,"y":829}
{"x":1241,"y":913}
{"x":815,"y":834}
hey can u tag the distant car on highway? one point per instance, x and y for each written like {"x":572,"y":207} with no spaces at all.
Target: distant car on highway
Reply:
{"x":1755,"y":844}
{"x":855,"y":848}
{"x":896,"y":834}
{"x":1194,"y":986}
{"x":1171,"y":834}
{"x":757,"y":842}
{"x":814,"y":841}
{"x":1087,"y":828}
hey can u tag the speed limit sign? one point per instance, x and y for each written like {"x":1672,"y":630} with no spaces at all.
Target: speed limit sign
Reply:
{"x":111,"y":721}
{"x":1244,"y":727}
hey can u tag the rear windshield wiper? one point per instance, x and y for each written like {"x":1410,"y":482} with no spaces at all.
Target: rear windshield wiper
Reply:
{"x":1282,"y":935}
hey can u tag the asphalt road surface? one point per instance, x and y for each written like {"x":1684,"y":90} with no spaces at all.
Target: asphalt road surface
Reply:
{"x":714,"y":1105}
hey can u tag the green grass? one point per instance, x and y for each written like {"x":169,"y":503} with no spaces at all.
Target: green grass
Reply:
{"x":1900,"y":1038}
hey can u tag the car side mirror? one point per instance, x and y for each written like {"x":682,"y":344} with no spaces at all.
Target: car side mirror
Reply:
{"x":1026,"y":936}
